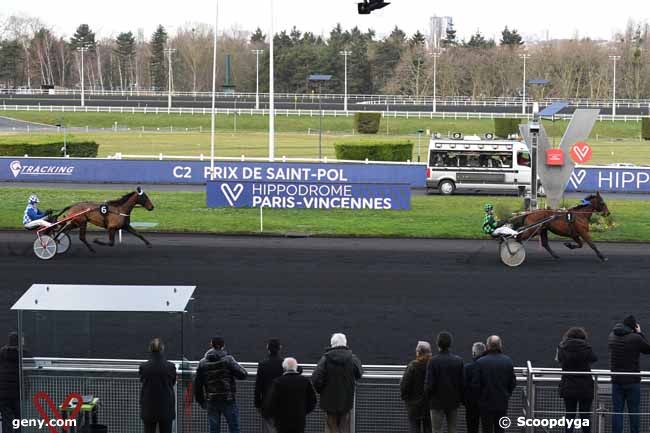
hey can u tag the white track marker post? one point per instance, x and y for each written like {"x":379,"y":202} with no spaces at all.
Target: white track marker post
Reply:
{"x":261,"y":219}
{"x":214,"y":90}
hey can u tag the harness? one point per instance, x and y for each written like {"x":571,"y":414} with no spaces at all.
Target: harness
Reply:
{"x":104,"y":211}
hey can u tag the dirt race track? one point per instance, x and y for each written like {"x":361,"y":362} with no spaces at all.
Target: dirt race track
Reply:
{"x":385,"y":294}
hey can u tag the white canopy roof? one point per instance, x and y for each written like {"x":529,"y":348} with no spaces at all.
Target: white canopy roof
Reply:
{"x":69,"y":297}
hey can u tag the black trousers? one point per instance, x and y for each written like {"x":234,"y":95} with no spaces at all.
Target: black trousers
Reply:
{"x":582,"y":408}
{"x":472,"y":417}
{"x":490,"y":421}
{"x":10,"y":410}
{"x":163,"y":427}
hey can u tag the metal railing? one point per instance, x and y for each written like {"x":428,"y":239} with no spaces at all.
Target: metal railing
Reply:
{"x":378,"y":407}
{"x":510,"y":101}
{"x":295,"y":112}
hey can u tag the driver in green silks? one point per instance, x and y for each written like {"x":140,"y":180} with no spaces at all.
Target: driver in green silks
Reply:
{"x":493,"y":227}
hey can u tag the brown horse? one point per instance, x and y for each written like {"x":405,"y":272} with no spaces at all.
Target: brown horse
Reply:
{"x":113,"y":216}
{"x":571,"y":223}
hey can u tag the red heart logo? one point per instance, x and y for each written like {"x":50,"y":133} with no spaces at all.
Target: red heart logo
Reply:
{"x":57,"y":414}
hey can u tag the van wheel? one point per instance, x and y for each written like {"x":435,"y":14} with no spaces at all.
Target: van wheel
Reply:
{"x":447,"y":187}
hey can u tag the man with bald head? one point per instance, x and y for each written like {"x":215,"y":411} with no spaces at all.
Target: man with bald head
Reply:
{"x":290,"y":399}
{"x":493,"y":383}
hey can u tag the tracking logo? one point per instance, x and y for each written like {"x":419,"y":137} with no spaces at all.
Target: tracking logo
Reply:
{"x":15,"y":167}
{"x":18,"y":169}
{"x":232,"y":194}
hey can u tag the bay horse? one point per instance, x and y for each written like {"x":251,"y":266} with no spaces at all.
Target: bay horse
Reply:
{"x":571,"y":223}
{"x":113,"y":216}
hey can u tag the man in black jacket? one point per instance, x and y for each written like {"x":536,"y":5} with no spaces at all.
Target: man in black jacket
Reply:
{"x":335,"y":379}
{"x":412,"y":390}
{"x":290,"y":399}
{"x":626,"y":343}
{"x":215,"y":388}
{"x":494,"y":383}
{"x":267,"y":371}
{"x":470,"y":399}
{"x":444,"y":385}
{"x":9,"y":383}
{"x":157,"y":395}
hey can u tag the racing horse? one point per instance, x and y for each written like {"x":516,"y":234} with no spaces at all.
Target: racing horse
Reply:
{"x":113,"y":216}
{"x":571,"y":223}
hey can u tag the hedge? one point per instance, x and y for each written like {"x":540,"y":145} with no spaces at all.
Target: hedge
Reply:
{"x":367,"y":123}
{"x":505,"y":127}
{"x":374,"y":150}
{"x":645,"y":128}
{"x":78,"y":149}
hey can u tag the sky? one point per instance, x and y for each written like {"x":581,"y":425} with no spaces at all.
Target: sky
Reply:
{"x":555,"y":19}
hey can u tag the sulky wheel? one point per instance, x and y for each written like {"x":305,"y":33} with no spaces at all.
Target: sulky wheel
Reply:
{"x":62,"y":243}
{"x":45,"y":247}
{"x":512,"y":253}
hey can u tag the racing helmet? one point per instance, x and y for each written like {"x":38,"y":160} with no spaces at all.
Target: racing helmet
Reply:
{"x":33,"y":199}
{"x":488,"y":207}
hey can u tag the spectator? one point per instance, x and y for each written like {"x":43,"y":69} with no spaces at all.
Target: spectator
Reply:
{"x":626,"y":343}
{"x":215,"y":388}
{"x":334,"y":379}
{"x":493,"y":383}
{"x":444,"y":385}
{"x":267,"y":371}
{"x":412,"y":390}
{"x":290,"y":398}
{"x":9,"y":382}
{"x":471,"y":399}
{"x":575,"y":354}
{"x":157,"y":395}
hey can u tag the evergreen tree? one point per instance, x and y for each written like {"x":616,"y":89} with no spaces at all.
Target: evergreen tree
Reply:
{"x":478,"y":41}
{"x":157,"y":64}
{"x":258,"y":37}
{"x":83,"y":37}
{"x":417,"y":40}
{"x":125,"y":52}
{"x":450,"y":38}
{"x":11,"y":56}
{"x":511,"y":38}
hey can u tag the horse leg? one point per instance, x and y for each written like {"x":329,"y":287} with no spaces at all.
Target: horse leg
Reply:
{"x":82,"y":236}
{"x":543,"y":236}
{"x":578,"y":243}
{"x":587,"y":237}
{"x":111,"y":239}
{"x":131,"y":230}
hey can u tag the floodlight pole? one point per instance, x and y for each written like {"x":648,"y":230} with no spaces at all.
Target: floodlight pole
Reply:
{"x":436,"y":55}
{"x":346,"y":53}
{"x":534,"y":132}
{"x":214,"y":91}
{"x":169,"y":52}
{"x":271,"y":89}
{"x":257,"y":78}
{"x":82,"y":49}
{"x":523,"y":99}
{"x":615,"y":59}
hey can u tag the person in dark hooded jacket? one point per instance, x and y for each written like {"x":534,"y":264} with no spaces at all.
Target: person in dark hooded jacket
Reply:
{"x":10,"y":382}
{"x":215,"y":388}
{"x":574,"y":353}
{"x":157,"y":395}
{"x":335,"y":379}
{"x":626,"y":343}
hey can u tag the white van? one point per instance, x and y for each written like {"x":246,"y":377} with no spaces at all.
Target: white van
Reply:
{"x":472,"y":163}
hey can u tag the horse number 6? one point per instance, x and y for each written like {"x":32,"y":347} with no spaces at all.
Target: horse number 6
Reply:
{"x":182,"y":172}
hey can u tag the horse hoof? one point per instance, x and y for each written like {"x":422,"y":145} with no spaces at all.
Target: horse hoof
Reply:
{"x":556,"y":257}
{"x":604,"y":259}
{"x":149,"y":246}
